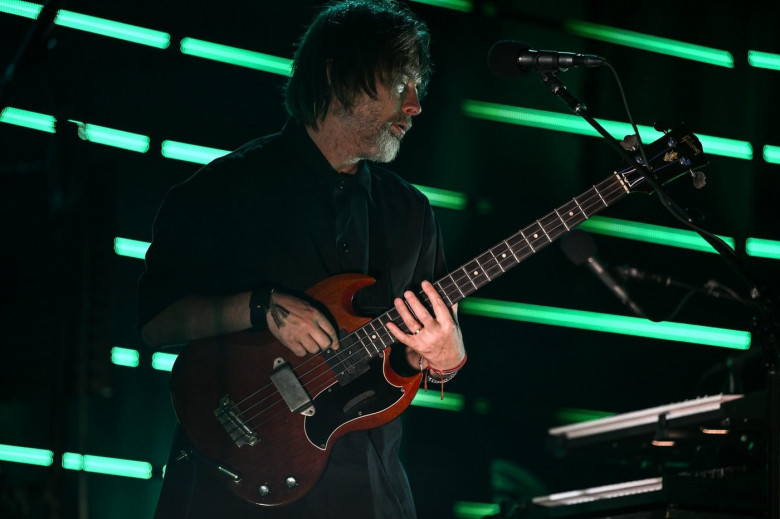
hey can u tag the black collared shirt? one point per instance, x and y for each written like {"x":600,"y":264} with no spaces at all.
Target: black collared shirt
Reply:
{"x":275,"y":213}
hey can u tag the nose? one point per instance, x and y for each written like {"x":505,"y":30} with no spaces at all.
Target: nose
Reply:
{"x":411,"y":102}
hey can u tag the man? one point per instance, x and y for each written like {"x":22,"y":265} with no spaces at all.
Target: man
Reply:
{"x":236,"y":245}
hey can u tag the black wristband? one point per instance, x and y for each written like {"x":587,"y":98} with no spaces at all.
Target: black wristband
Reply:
{"x":259,"y":305}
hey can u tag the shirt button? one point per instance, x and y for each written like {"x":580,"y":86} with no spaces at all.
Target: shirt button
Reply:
{"x":341,"y":184}
{"x":345,"y":246}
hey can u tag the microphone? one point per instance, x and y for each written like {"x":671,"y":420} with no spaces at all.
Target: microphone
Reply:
{"x":579,"y":248}
{"x":508,"y":58}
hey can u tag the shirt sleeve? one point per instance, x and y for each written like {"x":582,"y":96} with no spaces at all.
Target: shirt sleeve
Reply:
{"x":179,"y":259}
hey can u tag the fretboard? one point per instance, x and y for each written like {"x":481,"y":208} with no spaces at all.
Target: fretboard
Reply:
{"x":371,"y":339}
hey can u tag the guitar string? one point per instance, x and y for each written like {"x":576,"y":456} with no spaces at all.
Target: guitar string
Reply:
{"x":591,"y":200}
{"x":616,"y":185}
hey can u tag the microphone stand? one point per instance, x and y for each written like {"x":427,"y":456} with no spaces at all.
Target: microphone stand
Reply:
{"x":767,"y":324}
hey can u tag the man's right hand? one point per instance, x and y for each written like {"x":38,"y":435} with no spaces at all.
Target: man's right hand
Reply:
{"x":299,"y":326}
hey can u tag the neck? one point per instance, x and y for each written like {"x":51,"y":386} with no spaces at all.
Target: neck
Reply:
{"x":332,"y":142}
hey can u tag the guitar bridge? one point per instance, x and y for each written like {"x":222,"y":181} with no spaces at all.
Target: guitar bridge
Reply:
{"x":229,"y":416}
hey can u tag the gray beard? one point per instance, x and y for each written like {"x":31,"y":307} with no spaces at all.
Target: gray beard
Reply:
{"x":387,"y":146}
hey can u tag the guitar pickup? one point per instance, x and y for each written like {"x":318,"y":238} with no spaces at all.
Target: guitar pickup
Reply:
{"x":229,"y":415}
{"x":291,"y":389}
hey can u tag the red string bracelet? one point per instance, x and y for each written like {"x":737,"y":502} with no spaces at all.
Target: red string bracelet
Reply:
{"x":445,"y":375}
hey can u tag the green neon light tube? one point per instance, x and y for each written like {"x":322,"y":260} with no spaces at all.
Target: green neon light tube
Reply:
{"x":33,"y":120}
{"x":163,"y":361}
{"x":19,"y":8}
{"x":764,"y":59}
{"x":190,"y":152}
{"x":708,"y":336}
{"x":772,"y":154}
{"x":650,"y":233}
{"x":472,"y":510}
{"x":131,"y":248}
{"x":465,"y":6}
{"x":236,"y":56}
{"x":26,"y":455}
{"x":72,"y":461}
{"x":121,"y":31}
{"x":432,"y":398}
{"x":573,"y":124}
{"x":651,"y":43}
{"x":125,"y":357}
{"x":444,"y":198}
{"x":761,"y":248}
{"x":110,"y":466}
{"x":571,"y":415}
{"x":111,"y":137}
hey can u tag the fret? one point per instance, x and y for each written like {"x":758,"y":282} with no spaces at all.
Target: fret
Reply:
{"x":544,"y":231}
{"x":462,"y":295}
{"x":497,"y":261}
{"x":586,"y":215}
{"x":444,"y":294}
{"x":571,"y":214}
{"x":503,"y":253}
{"x":551,"y":225}
{"x":489,"y":264}
{"x":476,"y":273}
{"x":602,"y":198}
{"x":561,"y":219}
{"x":526,"y":240}
{"x":468,"y":277}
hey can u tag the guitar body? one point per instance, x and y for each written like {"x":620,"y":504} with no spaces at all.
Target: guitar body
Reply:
{"x":236,"y":416}
{"x":266,"y":420}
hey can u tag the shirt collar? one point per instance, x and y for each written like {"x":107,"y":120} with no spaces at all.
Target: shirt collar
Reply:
{"x":317,"y":167}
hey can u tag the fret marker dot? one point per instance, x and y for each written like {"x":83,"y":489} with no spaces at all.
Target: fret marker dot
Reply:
{"x":571,"y":213}
{"x":536,"y":235}
{"x":476,"y":273}
{"x":503,"y":255}
{"x":373,"y":336}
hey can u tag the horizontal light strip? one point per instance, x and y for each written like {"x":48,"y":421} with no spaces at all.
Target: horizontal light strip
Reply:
{"x":20,"y":8}
{"x":650,"y":233}
{"x":433,"y":399}
{"x":110,"y":466}
{"x":130,"y":248}
{"x":772,"y":154}
{"x":163,"y":361}
{"x":761,"y":248}
{"x":26,"y":455}
{"x":465,"y":6}
{"x":763,"y":59}
{"x":33,"y":120}
{"x":190,"y":152}
{"x":651,"y":43}
{"x":125,"y":357}
{"x":571,"y":415}
{"x":720,"y":337}
{"x":111,"y":137}
{"x":236,"y":56}
{"x":573,"y":124}
{"x":472,"y":510}
{"x":121,"y":31}
{"x":444,"y":198}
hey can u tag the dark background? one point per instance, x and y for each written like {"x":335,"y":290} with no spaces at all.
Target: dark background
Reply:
{"x":67,"y":298}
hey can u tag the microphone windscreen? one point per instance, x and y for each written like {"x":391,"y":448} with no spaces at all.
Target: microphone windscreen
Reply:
{"x":578,"y":246}
{"x":502,"y":58}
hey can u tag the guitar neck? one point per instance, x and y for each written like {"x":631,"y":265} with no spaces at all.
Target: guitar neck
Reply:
{"x":372,"y":338}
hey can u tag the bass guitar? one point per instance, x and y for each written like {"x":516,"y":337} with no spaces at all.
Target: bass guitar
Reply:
{"x":266,"y":420}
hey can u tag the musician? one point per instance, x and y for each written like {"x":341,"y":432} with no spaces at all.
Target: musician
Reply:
{"x":236,"y":245}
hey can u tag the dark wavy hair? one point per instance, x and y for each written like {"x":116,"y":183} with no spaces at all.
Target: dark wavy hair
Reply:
{"x":347,"y":48}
